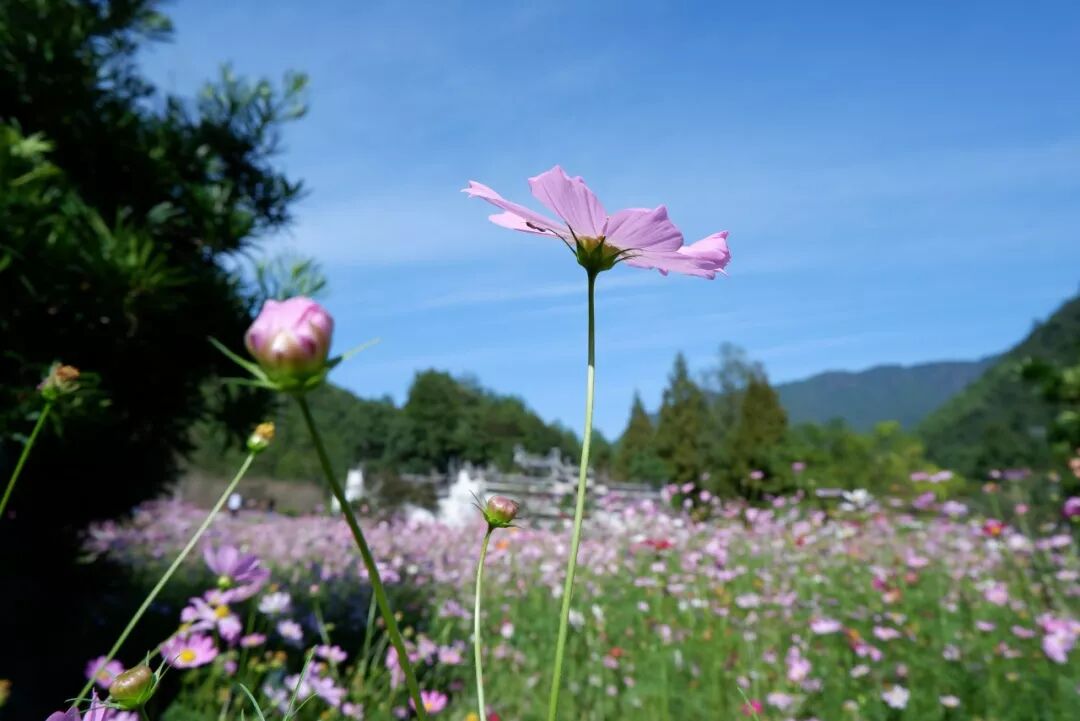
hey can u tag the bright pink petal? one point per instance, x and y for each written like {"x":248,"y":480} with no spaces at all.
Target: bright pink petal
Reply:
{"x":571,"y":200}
{"x":712,"y":250}
{"x":643,"y":228}
{"x":528,"y":220}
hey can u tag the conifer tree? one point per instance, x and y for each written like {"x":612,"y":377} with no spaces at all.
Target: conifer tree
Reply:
{"x":683,"y":429}
{"x":636,"y":458}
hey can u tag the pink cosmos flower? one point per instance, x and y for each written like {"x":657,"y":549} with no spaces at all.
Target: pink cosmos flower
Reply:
{"x":924,"y":501}
{"x":896,"y":697}
{"x":752,"y":708}
{"x":397,"y":676}
{"x":779,"y":700}
{"x":103,"y":673}
{"x":823,"y":626}
{"x":252,"y":640}
{"x":290,"y":630}
{"x":433,"y":701}
{"x":189,"y":652}
{"x":333,"y":654}
{"x":886,"y":633}
{"x":1071,"y":509}
{"x":241,"y":574}
{"x":72,"y":714}
{"x":96,"y":712}
{"x":798,"y":668}
{"x":203,"y":616}
{"x":639,"y":237}
{"x":997,"y":594}
{"x":291,"y":337}
{"x":1061,"y":636}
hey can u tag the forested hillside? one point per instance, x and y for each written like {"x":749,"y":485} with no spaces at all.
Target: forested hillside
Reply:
{"x":1000,"y":420}
{"x":906,"y":394}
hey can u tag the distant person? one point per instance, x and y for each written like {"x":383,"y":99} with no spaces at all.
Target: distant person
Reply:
{"x":236,"y":502}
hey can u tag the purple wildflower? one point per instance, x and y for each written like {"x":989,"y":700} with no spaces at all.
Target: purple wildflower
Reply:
{"x":242,"y":575}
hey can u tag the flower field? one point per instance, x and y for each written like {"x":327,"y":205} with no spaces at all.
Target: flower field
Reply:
{"x":878,"y":610}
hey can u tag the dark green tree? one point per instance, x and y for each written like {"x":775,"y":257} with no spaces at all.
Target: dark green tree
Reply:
{"x":600,"y":456}
{"x":682,"y":431}
{"x":752,"y":448}
{"x":1059,"y":385}
{"x":636,"y":458}
{"x":121,"y":213}
{"x":435,"y":424}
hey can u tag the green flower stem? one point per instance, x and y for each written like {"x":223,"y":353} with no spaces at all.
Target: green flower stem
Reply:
{"x":579,"y":510}
{"x":476,"y":625}
{"x":369,"y":561}
{"x":24,"y":455}
{"x":172,"y":569}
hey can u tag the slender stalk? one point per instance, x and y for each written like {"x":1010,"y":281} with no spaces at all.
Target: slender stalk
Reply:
{"x":171,"y":570}
{"x":579,"y":510}
{"x":476,"y":625}
{"x":24,"y":455}
{"x":369,"y":561}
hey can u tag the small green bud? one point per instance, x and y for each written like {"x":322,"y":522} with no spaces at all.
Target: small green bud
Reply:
{"x":133,"y":688}
{"x":500,"y":511}
{"x":260,"y":438}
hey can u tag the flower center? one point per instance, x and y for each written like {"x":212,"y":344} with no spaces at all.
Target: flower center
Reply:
{"x":221,"y":611}
{"x":187,"y":656}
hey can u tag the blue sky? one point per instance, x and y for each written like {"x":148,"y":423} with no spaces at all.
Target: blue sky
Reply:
{"x":900,"y":179}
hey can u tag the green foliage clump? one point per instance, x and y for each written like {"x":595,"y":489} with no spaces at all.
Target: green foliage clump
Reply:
{"x":444,"y":420}
{"x":122,"y":214}
{"x":636,"y":457}
{"x":729,"y":434}
{"x":119,"y":209}
{"x":682,"y":440}
{"x":1001,"y":421}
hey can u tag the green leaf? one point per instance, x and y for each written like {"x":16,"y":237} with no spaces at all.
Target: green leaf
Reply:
{"x":254,"y":703}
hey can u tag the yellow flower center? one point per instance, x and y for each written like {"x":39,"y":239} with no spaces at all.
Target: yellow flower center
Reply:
{"x":187,"y":655}
{"x":221,"y":611}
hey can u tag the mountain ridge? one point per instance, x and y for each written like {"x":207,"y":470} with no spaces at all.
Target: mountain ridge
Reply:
{"x":889,"y":391}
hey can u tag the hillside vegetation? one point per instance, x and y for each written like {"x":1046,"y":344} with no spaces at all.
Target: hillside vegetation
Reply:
{"x":1001,"y":420}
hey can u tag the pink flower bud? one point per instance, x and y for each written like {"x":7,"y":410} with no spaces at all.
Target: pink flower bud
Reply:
{"x":1071,"y":509}
{"x":500,"y":511}
{"x":291,"y":339}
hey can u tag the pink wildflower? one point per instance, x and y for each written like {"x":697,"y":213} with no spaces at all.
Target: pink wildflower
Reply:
{"x":434,"y":701}
{"x":103,"y":673}
{"x":639,"y":237}
{"x":189,"y":652}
